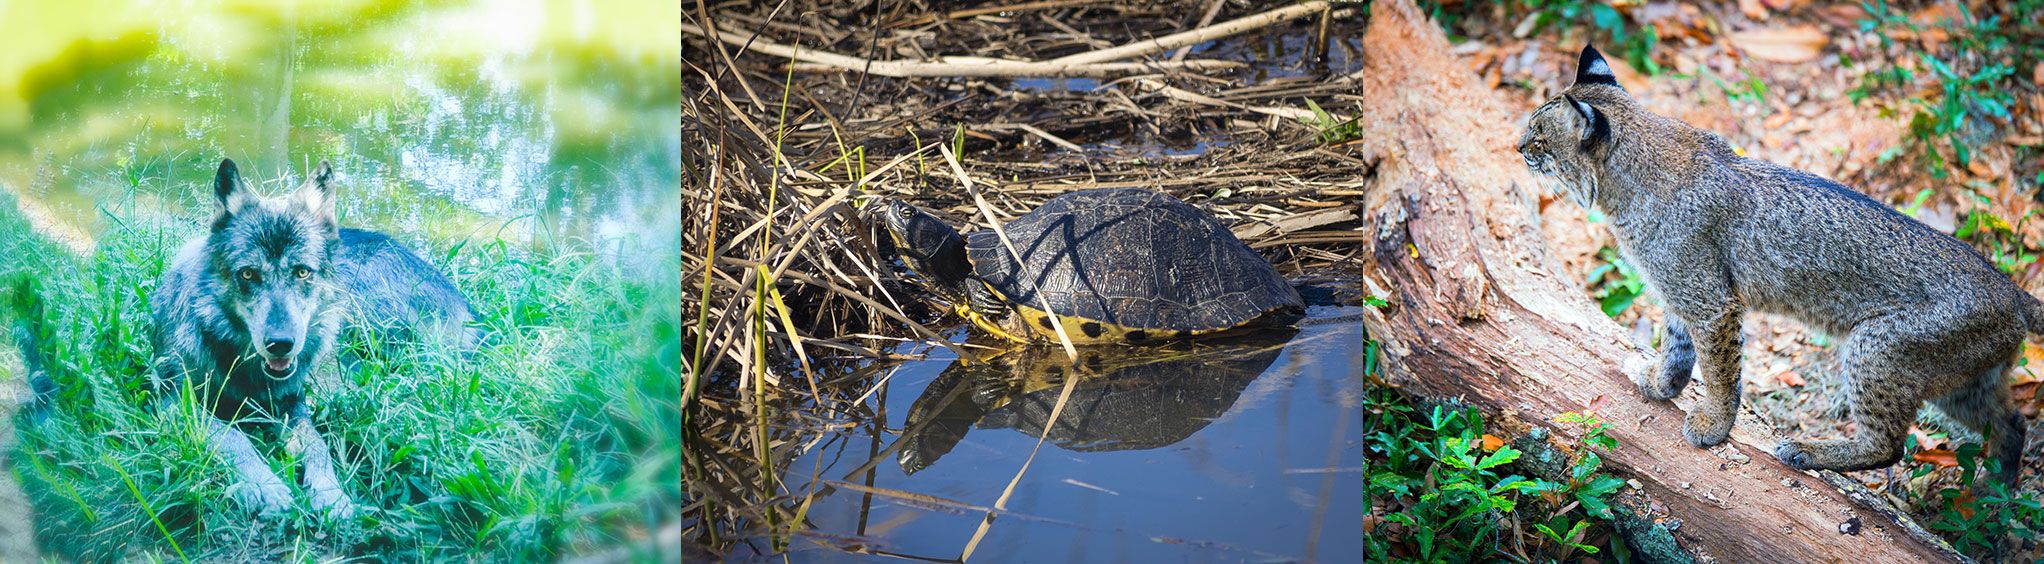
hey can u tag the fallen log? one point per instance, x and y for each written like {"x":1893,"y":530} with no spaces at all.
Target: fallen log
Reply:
{"x":1480,"y":311}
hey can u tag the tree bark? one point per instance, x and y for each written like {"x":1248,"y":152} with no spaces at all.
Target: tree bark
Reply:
{"x":1480,"y":311}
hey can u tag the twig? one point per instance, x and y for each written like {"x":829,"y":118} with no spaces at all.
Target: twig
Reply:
{"x":1213,"y":9}
{"x":1196,"y":36}
{"x":1055,"y":140}
{"x":951,"y":66}
{"x":975,"y":66}
{"x":1189,"y":96}
{"x":1023,"y":7}
{"x":1091,"y":63}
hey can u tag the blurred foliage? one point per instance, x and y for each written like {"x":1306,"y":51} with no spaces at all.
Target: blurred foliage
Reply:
{"x":1972,"y":74}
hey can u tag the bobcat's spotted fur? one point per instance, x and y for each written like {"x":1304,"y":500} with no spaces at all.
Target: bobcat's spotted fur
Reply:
{"x":1919,"y":315}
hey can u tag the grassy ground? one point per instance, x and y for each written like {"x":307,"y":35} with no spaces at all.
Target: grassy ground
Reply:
{"x":556,"y":438}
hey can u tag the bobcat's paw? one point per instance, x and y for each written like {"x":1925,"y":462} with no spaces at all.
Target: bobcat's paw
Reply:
{"x":1659,"y":390}
{"x":1645,"y":371}
{"x":1796,"y":455}
{"x":1705,"y":431}
{"x":1674,"y":376}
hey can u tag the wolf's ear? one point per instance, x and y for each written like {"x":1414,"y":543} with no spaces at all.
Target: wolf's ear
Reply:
{"x":1592,"y":69}
{"x":1589,"y":121}
{"x":317,"y":194}
{"x":228,"y":190}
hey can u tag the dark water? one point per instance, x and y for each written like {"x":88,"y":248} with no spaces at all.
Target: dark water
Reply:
{"x":1239,"y":451}
{"x":526,"y":120}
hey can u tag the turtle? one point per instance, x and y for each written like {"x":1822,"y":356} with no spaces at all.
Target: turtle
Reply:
{"x":1106,"y":266}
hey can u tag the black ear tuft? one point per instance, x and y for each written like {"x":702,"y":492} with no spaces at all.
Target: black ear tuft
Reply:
{"x":1591,"y":68}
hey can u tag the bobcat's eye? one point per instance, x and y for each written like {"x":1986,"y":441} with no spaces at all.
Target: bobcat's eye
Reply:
{"x":248,"y":273}
{"x":301,"y":272}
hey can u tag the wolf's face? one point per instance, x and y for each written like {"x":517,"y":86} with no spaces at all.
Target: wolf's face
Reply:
{"x":272,"y":258}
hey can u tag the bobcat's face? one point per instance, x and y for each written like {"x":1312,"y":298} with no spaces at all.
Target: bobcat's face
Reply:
{"x":1557,"y":145}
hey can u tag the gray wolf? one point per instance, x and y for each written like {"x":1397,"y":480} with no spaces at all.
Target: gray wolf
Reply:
{"x":247,"y":310}
{"x":1919,"y":315}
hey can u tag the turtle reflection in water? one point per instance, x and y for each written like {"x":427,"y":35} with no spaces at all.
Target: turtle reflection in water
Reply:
{"x":1128,"y":398}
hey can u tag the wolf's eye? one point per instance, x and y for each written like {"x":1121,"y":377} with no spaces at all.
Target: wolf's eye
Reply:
{"x":301,"y":272}
{"x":248,"y":273}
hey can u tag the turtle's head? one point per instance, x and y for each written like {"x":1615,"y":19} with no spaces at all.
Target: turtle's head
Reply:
{"x":929,"y":247}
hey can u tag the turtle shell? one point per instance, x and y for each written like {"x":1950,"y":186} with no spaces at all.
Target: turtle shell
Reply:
{"x":1133,"y":260}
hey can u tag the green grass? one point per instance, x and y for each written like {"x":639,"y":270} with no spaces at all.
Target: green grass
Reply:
{"x":1330,"y":129}
{"x":558,"y":437}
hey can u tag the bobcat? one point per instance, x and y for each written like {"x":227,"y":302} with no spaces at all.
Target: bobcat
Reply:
{"x":1920,"y":315}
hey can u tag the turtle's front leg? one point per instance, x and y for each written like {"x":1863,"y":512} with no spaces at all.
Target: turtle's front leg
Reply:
{"x":987,"y":310}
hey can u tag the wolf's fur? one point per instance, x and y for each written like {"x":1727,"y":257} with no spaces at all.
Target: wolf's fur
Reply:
{"x":1922,"y":316}
{"x":273,"y":283}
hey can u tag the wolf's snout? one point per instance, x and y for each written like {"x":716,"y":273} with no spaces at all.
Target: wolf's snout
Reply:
{"x":277,"y":347}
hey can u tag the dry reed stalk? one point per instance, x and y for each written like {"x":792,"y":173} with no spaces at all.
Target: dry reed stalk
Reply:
{"x":1093,"y":63}
{"x":788,"y":299}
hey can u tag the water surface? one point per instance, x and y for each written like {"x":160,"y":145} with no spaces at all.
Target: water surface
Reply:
{"x":1246,"y":450}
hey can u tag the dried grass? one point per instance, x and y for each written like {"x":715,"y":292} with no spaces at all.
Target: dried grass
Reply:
{"x":790,"y":296}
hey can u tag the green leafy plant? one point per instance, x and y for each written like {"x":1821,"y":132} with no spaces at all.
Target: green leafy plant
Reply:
{"x":1453,"y":499}
{"x":1635,"y":42}
{"x":1981,"y":510}
{"x":1973,"y":76}
{"x":2001,"y":242}
{"x":1332,"y":129}
{"x":1615,"y":284}
{"x":1751,"y":89}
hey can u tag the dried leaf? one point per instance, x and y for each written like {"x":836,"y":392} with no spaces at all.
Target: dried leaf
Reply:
{"x":1924,"y":440}
{"x":1491,"y":443}
{"x":1937,"y":15}
{"x":1777,"y":120}
{"x":1753,"y":9}
{"x":2026,"y":398}
{"x":1942,"y":457}
{"x":1964,"y":504}
{"x":1795,"y":44}
{"x":1790,"y":378}
{"x":1842,"y":15}
{"x":1597,"y":403}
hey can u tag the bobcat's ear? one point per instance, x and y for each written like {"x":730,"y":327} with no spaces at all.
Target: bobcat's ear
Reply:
{"x":1591,"y":68}
{"x":1593,"y":126}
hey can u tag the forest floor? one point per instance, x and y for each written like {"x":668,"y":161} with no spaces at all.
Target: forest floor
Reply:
{"x":1789,"y":82}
